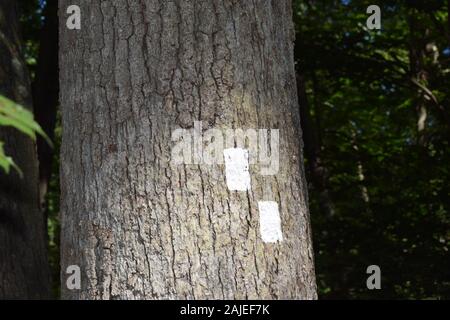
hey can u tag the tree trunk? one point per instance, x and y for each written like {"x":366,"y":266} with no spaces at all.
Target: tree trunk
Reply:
{"x":318,"y":171}
{"x":141,"y":226}
{"x":46,"y":92}
{"x":24,"y":270}
{"x":361,"y":177}
{"x":419,"y":73}
{"x":448,"y":21}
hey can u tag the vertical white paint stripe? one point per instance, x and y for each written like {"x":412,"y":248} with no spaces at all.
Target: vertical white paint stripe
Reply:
{"x":236,"y":169}
{"x":269,"y":221}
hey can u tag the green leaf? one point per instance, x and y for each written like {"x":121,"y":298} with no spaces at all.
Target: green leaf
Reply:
{"x":16,"y":116}
{"x":7,"y":162}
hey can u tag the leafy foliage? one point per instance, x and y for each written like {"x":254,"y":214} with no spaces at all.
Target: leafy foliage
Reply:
{"x":365,"y":103}
{"x":16,"y":116}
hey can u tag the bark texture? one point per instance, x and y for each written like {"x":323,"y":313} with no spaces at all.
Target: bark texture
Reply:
{"x":140,"y":227}
{"x":23,"y":259}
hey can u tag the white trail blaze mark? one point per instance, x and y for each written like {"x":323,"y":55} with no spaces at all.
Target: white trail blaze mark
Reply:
{"x":269,"y":221}
{"x":236,"y":169}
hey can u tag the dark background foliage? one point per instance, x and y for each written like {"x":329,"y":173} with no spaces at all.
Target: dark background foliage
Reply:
{"x":375,"y":118}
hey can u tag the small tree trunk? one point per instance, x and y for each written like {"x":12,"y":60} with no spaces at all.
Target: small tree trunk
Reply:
{"x":141,"y":227}
{"x":419,"y":74}
{"x":448,"y":21}
{"x":318,"y":171}
{"x":46,"y":92}
{"x":24,"y":270}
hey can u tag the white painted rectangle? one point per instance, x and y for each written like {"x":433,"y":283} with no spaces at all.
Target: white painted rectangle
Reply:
{"x":269,"y":221}
{"x":236,"y":169}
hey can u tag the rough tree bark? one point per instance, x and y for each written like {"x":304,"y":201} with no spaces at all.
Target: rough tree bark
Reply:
{"x":23,"y":259}
{"x":140,"y":227}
